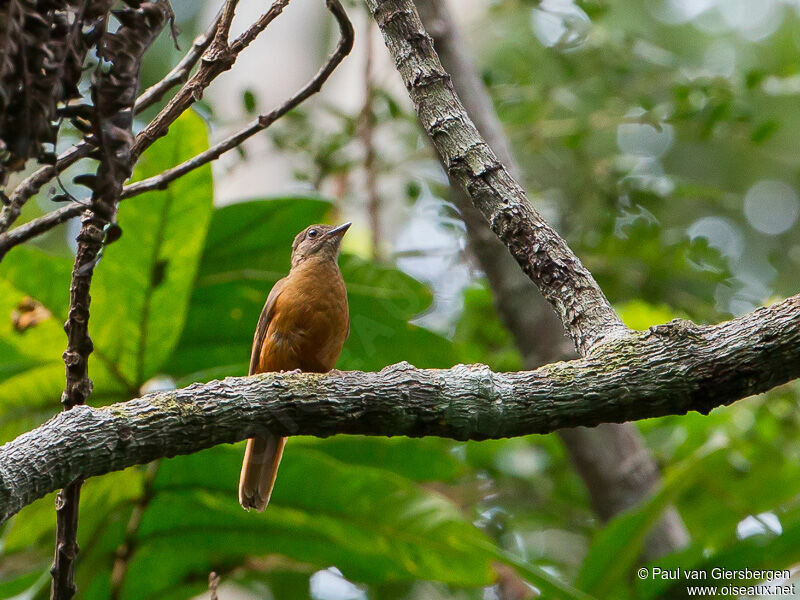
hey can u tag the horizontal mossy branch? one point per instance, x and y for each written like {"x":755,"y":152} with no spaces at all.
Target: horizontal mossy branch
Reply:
{"x":670,"y":369}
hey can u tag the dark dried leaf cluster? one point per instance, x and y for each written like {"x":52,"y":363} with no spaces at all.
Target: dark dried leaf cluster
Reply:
{"x":43,"y":46}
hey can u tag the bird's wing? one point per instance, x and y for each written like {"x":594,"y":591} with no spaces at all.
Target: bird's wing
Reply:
{"x":263,"y":323}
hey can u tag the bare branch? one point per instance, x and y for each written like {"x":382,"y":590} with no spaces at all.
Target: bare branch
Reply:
{"x":180,"y":72}
{"x":218,"y":58}
{"x":543,"y":255}
{"x":38,"y":226}
{"x":343,"y":48}
{"x":670,"y":369}
{"x":113,"y":96}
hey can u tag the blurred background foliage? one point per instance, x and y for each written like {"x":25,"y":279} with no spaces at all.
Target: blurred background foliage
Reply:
{"x":659,"y":136}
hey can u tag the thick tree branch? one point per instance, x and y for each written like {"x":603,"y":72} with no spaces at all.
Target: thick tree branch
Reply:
{"x":579,"y":302}
{"x":670,"y":369}
{"x":616,"y":466}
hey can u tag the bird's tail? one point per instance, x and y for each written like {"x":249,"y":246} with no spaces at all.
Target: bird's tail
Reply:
{"x":259,"y":469}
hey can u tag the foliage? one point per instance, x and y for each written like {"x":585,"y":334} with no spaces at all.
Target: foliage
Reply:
{"x":645,"y":137}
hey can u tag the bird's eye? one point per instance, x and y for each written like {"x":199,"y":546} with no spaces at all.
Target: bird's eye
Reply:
{"x":312,"y":233}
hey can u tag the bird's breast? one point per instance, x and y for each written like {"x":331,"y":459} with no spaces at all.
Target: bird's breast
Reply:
{"x":310,"y":322}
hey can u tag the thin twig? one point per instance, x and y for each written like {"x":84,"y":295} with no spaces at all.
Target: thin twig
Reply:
{"x":180,"y":72}
{"x":38,"y":226}
{"x":113,"y":95}
{"x":218,"y":58}
{"x":162,"y":180}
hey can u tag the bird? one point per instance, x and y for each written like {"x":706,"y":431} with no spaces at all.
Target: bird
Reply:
{"x":303,"y":326}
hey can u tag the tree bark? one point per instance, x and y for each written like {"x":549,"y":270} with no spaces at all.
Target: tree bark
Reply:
{"x":545,"y":258}
{"x":669,"y":369}
{"x":612,"y":460}
{"x":113,"y":96}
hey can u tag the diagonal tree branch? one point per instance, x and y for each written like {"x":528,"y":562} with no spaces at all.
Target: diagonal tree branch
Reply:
{"x":218,"y":58}
{"x":567,"y":285}
{"x":180,"y":72}
{"x":669,"y":369}
{"x":618,"y":469}
{"x":113,"y":96}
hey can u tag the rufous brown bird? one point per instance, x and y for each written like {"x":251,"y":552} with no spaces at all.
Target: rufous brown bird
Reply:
{"x":303,"y":325}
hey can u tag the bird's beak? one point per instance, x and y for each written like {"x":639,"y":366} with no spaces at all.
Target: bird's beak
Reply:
{"x":340,"y":230}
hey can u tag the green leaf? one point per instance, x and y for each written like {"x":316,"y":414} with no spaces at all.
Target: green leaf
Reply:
{"x":417,"y":459}
{"x":142,"y":285}
{"x":249,"y":101}
{"x":373,"y":525}
{"x":25,"y":586}
{"x":617,"y":547}
{"x":32,"y":372}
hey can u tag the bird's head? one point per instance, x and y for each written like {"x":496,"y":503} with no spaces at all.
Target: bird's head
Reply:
{"x":321,"y":241}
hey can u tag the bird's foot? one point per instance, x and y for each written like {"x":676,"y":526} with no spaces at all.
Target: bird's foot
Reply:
{"x":292,"y":372}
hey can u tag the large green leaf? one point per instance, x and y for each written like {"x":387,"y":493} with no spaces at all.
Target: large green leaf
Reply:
{"x":32,"y":372}
{"x":375,"y":526}
{"x":145,"y":279}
